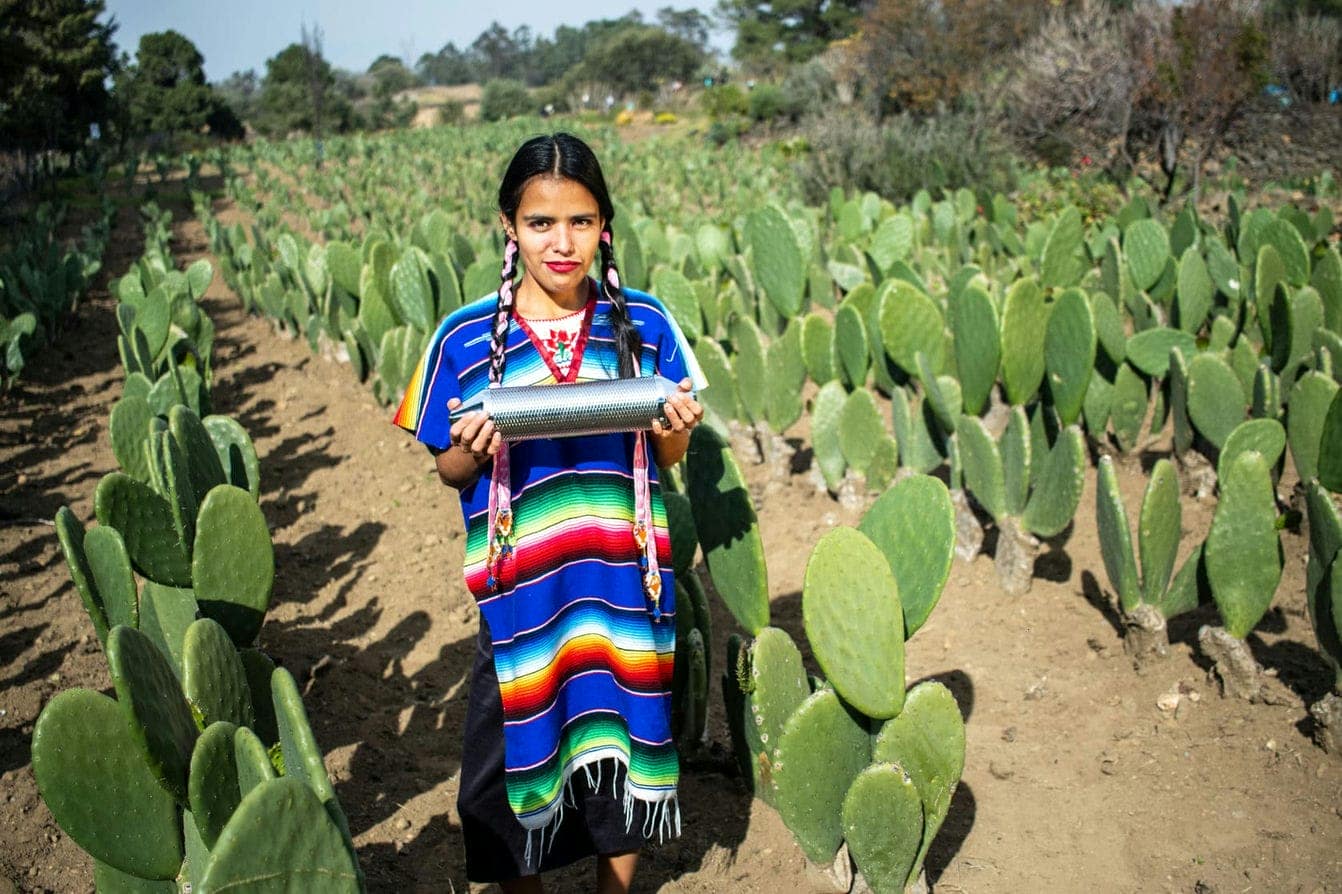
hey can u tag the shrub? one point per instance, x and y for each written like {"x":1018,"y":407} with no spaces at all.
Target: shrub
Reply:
{"x":451,"y":112}
{"x":1306,"y":56}
{"x":724,"y":100}
{"x":902,"y":155}
{"x":808,"y":86}
{"x":664,"y":118}
{"x":767,"y":102}
{"x":505,"y":99}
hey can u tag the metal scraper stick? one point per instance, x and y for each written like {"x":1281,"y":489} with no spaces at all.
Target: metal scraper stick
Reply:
{"x":559,"y":411}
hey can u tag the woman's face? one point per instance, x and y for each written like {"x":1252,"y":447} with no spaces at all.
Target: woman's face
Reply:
{"x":558,"y":231}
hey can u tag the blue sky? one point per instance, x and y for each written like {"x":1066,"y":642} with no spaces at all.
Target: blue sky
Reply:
{"x":243,"y":34}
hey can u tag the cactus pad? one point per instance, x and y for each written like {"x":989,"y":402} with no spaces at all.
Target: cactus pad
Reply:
{"x":1308,"y":409}
{"x":71,"y":536}
{"x":1215,"y":398}
{"x":777,"y":259}
{"x":821,"y":750}
{"x":213,"y":677}
{"x":202,"y":459}
{"x":251,"y":759}
{"x":1330,"y":446}
{"x":910,"y":322}
{"x":727,"y":528}
{"x":982,"y":466}
{"x":1147,"y":247}
{"x":680,"y":521}
{"x":913,"y":524}
{"x":128,"y":430}
{"x":235,"y":593}
{"x":1242,"y":553}
{"x":165,"y":614}
{"x":280,"y":836}
{"x":927,"y":740}
{"x":860,"y":428}
{"x":1060,"y":479}
{"x":1069,"y":352}
{"x":826,"y":441}
{"x":777,"y":687}
{"x":145,"y":522}
{"x":883,"y":824}
{"x":110,"y":566}
{"x":850,"y":345}
{"x":156,"y":711}
{"x":977,"y":343}
{"x":851,"y":610}
{"x":213,"y":782}
{"x":94,"y":779}
{"x":1264,"y":436}
{"x":1024,"y":325}
{"x":1158,"y":529}
{"x":1111,"y":520}
{"x":236,"y":454}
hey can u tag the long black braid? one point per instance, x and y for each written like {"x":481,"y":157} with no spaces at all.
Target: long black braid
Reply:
{"x":628,"y":342}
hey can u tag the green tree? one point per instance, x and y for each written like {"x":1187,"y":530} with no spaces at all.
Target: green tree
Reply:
{"x":447,"y":66}
{"x":55,"y":59}
{"x":640,"y":58}
{"x":771,"y":35}
{"x":298,"y":94}
{"x":390,"y":75}
{"x":164,"y":92}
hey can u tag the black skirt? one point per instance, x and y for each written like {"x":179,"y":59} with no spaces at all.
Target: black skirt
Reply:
{"x":496,"y":844}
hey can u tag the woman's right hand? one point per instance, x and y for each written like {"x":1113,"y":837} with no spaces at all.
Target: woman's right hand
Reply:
{"x":474,"y":434}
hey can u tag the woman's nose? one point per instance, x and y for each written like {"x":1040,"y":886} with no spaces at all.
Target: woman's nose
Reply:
{"x":563,"y":239}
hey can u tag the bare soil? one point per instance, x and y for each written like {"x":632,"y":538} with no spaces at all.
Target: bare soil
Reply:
{"x":1077,"y":779}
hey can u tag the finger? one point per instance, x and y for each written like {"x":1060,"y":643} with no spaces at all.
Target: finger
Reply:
{"x":453,"y":403}
{"x":686,"y":384}
{"x":495,"y":443}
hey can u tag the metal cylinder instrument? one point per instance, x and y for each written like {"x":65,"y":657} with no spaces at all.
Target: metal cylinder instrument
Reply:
{"x":567,"y":410}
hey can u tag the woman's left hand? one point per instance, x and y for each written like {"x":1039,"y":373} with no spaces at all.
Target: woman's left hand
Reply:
{"x":681,"y":410}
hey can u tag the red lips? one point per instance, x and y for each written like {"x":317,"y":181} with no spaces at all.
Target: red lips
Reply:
{"x":563,"y":266}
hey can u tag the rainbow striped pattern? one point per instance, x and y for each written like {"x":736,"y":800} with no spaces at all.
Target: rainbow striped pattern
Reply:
{"x":584,"y":671}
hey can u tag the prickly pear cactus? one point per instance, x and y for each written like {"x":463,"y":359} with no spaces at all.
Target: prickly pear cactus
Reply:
{"x":93,"y":777}
{"x":913,"y":524}
{"x":1243,"y":553}
{"x":821,"y":750}
{"x":1215,"y":398}
{"x":927,"y":740}
{"x":854,"y":622}
{"x":1058,"y":479}
{"x":826,"y":440}
{"x":159,"y":718}
{"x":1069,"y":353}
{"x":910,"y":322}
{"x":213,"y":677}
{"x":212,"y":786}
{"x":882,"y":820}
{"x":281,"y":832}
{"x":237,"y":456}
{"x":165,"y":614}
{"x":1265,"y":436}
{"x":728,"y":530}
{"x":128,"y":430}
{"x":145,"y":522}
{"x":777,"y":259}
{"x":978,"y":345}
{"x":235,"y":593}
{"x":1024,"y":325}
{"x":1111,"y":520}
{"x":71,"y":536}
{"x":777,"y":687}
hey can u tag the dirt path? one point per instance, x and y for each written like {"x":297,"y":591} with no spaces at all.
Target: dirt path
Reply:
{"x":1075,"y":779}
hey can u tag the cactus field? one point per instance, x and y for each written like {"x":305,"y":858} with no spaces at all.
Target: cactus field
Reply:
{"x":1017,"y":539}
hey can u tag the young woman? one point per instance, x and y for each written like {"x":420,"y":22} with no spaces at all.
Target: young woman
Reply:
{"x":568,"y":749}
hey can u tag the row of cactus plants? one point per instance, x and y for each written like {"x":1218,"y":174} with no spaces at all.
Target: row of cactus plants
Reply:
{"x":1100,"y":332}
{"x":203,"y":770}
{"x":41,"y":279}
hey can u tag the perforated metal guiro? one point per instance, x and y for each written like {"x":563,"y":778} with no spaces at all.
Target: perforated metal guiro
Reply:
{"x":561,"y":411}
